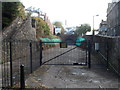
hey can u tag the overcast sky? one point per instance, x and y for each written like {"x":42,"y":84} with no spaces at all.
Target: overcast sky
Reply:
{"x":75,"y":12}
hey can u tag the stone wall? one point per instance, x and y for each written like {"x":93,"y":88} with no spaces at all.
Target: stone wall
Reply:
{"x":20,"y":30}
{"x":25,"y":32}
{"x":68,"y":37}
{"x":21,"y":33}
{"x":109,"y":47}
{"x":113,"y":19}
{"x":8,"y":31}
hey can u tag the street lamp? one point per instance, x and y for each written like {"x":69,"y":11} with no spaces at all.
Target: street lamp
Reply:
{"x":93,"y":25}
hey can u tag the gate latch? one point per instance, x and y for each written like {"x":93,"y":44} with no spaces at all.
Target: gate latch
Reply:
{"x":63,"y":45}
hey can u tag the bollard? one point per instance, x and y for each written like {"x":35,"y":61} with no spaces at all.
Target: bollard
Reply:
{"x":11,"y":74}
{"x":89,"y":54}
{"x":22,"y":77}
{"x":107,"y":51}
{"x":86,"y":53}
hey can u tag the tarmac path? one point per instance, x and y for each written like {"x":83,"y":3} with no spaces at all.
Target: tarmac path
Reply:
{"x":61,"y":76}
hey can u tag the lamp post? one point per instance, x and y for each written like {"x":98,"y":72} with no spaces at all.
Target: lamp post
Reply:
{"x":93,"y":25}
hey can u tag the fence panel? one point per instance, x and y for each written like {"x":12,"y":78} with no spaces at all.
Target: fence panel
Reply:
{"x":68,"y":55}
{"x":33,"y":54}
{"x":14,"y":54}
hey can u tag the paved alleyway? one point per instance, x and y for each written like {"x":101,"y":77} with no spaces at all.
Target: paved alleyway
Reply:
{"x":73,"y":76}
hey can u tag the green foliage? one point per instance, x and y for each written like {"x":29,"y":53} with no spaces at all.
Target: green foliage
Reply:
{"x":82,"y":29}
{"x":52,"y":36}
{"x":42,"y":27}
{"x":46,"y":29}
{"x":10,"y":10}
{"x":59,"y":24}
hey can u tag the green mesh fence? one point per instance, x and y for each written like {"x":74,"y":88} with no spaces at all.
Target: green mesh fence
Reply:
{"x":53,"y":41}
{"x":79,"y":40}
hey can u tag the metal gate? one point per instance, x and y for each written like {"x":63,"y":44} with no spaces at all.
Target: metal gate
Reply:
{"x":65,"y":53}
{"x":33,"y":54}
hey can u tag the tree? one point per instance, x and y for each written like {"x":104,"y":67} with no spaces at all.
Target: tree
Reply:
{"x":80,"y":30}
{"x":42,"y":28}
{"x":59,"y":24}
{"x":10,"y":10}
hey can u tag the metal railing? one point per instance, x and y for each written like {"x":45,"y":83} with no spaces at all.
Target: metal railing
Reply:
{"x":20,"y":58}
{"x":14,"y":54}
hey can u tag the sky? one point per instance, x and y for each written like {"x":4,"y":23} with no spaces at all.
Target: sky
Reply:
{"x":74,"y":12}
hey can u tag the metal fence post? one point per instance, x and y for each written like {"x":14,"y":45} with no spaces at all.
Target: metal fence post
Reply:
{"x":11,"y":74}
{"x":89,"y":54}
{"x":107,"y":50}
{"x":86,"y":52}
{"x":40,"y":53}
{"x":22,"y":77}
{"x":30,"y":57}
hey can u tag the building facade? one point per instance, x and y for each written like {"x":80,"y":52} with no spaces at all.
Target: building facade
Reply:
{"x":51,"y":26}
{"x":38,"y":13}
{"x":113,"y":19}
{"x":103,"y":28}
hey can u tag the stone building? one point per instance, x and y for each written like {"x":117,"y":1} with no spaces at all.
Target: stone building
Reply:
{"x":113,"y":18}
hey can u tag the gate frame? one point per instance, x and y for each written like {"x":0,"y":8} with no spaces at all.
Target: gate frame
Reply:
{"x":88,"y":56}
